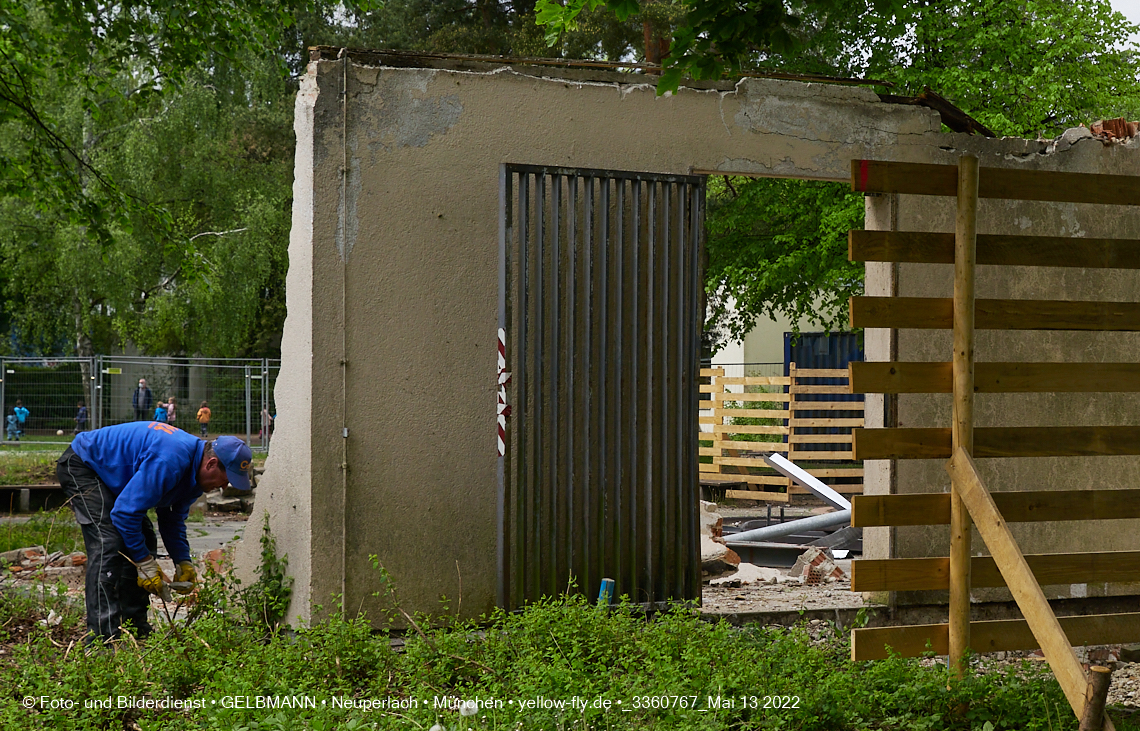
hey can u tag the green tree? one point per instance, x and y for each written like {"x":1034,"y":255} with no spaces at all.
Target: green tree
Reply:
{"x":145,"y":165}
{"x":779,"y":247}
{"x":1022,"y":68}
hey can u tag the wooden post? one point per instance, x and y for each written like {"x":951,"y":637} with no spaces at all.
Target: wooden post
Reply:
{"x":1095,"y":697}
{"x":1020,"y":580}
{"x":965,"y":240}
{"x":791,"y":422}
{"x":718,"y":419}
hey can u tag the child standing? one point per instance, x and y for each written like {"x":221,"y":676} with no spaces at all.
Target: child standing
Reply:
{"x":80,"y":418}
{"x":13,"y":426}
{"x":160,"y":412}
{"x":204,"y":418}
{"x":170,"y":410}
{"x":21,"y":415}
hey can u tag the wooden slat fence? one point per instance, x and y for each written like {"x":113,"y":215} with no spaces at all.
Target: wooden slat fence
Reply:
{"x":796,"y":415}
{"x":970,"y":504}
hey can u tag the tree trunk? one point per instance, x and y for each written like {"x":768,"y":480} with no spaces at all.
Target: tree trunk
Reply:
{"x":656,"y":46}
{"x":85,"y":349}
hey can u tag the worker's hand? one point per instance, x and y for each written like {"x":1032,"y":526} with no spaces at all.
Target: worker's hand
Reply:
{"x":152,"y":579}
{"x":185,"y":574}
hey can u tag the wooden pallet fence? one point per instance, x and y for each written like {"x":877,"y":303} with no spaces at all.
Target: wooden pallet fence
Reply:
{"x":970,"y":503}
{"x":820,"y":428}
{"x":781,"y":402}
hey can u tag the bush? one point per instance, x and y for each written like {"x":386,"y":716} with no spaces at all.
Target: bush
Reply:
{"x":666,"y":672}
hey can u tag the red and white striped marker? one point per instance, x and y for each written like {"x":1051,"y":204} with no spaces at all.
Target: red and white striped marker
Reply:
{"x":504,"y":377}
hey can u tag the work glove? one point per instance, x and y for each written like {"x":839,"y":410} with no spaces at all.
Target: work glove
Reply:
{"x":152,"y":579}
{"x":186,"y":575}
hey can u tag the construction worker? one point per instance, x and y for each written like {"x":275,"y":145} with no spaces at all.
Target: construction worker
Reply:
{"x":112,"y":477}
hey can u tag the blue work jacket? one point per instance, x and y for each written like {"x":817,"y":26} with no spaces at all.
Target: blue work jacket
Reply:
{"x":146,"y":465}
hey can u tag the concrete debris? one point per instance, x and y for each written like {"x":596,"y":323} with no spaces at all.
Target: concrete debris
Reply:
{"x":1130,"y":653}
{"x":712,"y":524}
{"x":748,"y":573}
{"x":33,"y":558}
{"x":229,"y":500}
{"x":19,"y":554}
{"x":816,"y":567}
{"x":716,"y":557}
{"x":219,"y":503}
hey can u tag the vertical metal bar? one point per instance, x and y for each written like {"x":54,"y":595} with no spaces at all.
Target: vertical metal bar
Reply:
{"x":569,"y":514}
{"x":600,"y":411}
{"x":502,"y":513}
{"x":634,"y":505}
{"x":653,"y":477}
{"x":572,"y":513}
{"x":94,"y":406}
{"x":674,"y":396}
{"x":541,"y":536}
{"x":591,"y":487}
{"x":555,"y":572}
{"x":522,"y":423}
{"x":264,"y":398}
{"x":689,"y":415}
{"x":695,"y":315}
{"x":611,"y":386}
{"x":962,"y":432}
{"x":248,"y":420}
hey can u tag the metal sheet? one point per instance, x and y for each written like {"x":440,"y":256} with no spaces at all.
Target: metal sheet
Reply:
{"x":600,"y":299}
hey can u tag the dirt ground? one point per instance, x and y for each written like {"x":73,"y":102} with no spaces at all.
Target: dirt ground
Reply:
{"x":790,"y":597}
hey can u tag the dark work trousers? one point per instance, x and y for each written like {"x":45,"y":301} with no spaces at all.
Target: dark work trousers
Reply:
{"x":113,"y":594}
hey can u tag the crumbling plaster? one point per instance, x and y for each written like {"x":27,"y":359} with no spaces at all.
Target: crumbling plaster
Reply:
{"x":392,"y":294}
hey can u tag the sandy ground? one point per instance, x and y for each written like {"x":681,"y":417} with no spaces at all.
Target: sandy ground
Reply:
{"x":730,"y":598}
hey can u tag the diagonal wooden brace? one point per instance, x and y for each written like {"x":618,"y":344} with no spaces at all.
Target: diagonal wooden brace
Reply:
{"x":1022,"y":584}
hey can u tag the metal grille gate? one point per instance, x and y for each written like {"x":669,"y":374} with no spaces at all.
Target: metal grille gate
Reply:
{"x":600,"y":307}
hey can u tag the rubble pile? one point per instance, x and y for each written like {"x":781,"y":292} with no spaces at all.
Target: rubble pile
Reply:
{"x":716,"y":557}
{"x":35,"y":560}
{"x":816,"y":567}
{"x":229,"y":500}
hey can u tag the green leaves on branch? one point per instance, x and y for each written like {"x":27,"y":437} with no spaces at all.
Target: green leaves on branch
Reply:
{"x":717,"y":37}
{"x":779,"y":248}
{"x":559,"y":19}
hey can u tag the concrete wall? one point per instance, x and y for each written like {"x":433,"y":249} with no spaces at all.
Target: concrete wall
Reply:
{"x":392,"y":293}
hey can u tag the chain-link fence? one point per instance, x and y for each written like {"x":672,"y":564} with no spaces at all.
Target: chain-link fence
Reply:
{"x":52,"y":399}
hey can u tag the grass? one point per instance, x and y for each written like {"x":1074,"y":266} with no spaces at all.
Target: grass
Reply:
{"x":55,"y":530}
{"x":26,"y":467}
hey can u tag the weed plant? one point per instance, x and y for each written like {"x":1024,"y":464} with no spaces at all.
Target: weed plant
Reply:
{"x":557,"y":649}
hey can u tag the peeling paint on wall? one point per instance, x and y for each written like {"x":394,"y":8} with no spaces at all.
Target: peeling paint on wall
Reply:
{"x":347,"y":222}
{"x":406,"y":116}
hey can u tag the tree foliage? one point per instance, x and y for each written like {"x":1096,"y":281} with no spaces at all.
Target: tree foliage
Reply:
{"x":1027,"y":68}
{"x":145,"y":164}
{"x":779,"y":247}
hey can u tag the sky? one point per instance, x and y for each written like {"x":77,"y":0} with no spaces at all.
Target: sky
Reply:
{"x":1131,"y":10}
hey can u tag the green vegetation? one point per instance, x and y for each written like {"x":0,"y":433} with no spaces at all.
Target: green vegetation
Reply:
{"x":266,"y":601}
{"x":557,"y":649}
{"x":778,"y":247}
{"x":55,"y":530}
{"x":22,"y":466}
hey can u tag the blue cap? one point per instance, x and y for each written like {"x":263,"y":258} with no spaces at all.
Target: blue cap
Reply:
{"x":236,"y":457}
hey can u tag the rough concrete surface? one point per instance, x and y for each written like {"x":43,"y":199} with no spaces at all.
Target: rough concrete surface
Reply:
{"x":387,"y":397}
